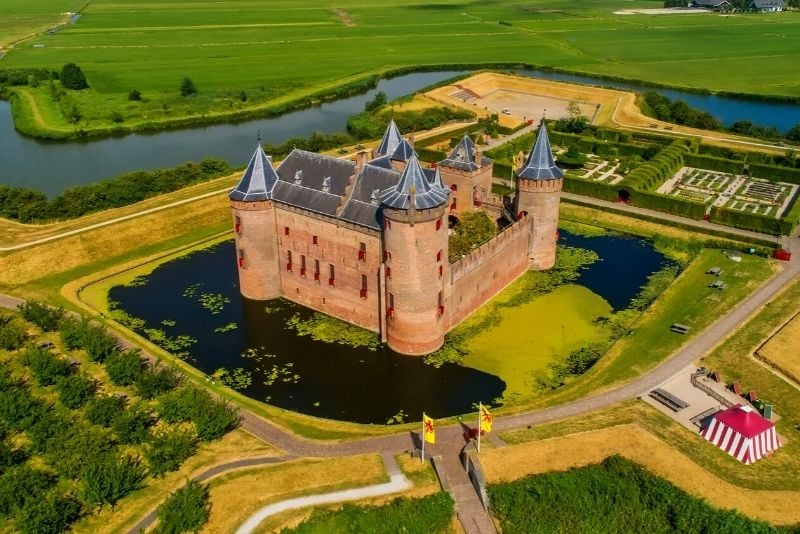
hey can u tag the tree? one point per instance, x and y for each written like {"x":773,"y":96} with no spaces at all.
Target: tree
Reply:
{"x":72,"y":77}
{"x":135,"y":95}
{"x":131,"y":426}
{"x":99,"y":344}
{"x":103,"y":410}
{"x":186,"y":510}
{"x":20,"y":484}
{"x":378,"y":101}
{"x":794,"y":133}
{"x":473,"y":229}
{"x":168,"y":450}
{"x":109,"y":478}
{"x":75,"y":390}
{"x":12,"y":335}
{"x":52,"y":514}
{"x":188,"y":87}
{"x":125,"y":368}
{"x":45,"y":366}
{"x":156,"y":380}
{"x":44,"y":316}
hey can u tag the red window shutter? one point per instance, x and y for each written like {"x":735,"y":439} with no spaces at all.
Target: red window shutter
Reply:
{"x":331,"y":281}
{"x":288,"y":266}
{"x":441,"y":271}
{"x":438,"y":224}
{"x":285,"y":230}
{"x":388,"y":272}
{"x":363,"y":293}
{"x":439,"y":256}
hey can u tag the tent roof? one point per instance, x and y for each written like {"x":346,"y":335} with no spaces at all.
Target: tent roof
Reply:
{"x":744,"y":420}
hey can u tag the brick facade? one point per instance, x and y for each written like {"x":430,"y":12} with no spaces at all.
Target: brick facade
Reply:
{"x":539,"y":199}
{"x":466,"y":187}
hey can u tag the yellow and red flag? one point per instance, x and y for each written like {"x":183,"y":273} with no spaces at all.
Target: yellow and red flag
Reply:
{"x":428,"y":430}
{"x":486,"y":419}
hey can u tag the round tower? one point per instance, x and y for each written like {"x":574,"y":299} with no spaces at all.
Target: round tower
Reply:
{"x":416,"y":266}
{"x":255,"y":231}
{"x":539,"y":185}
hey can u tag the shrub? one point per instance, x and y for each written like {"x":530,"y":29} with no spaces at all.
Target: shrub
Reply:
{"x":103,"y":410}
{"x":186,"y":510}
{"x":19,"y":409}
{"x":156,"y":380}
{"x":71,"y":330}
{"x":473,"y":229}
{"x":109,"y":478}
{"x":21,"y":484}
{"x":131,"y":425}
{"x":69,"y":451}
{"x":125,"y":368}
{"x":45,"y":366}
{"x":188,"y":87}
{"x":52,"y":514}
{"x":99,"y":343}
{"x":72,"y":77}
{"x":44,"y":316}
{"x":212,"y":418}
{"x":135,"y":95}
{"x":12,"y":335}
{"x":74,"y":391}
{"x":166,"y":451}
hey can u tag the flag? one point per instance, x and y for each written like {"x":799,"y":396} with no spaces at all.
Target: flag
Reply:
{"x":486,"y":419}
{"x":429,"y":432}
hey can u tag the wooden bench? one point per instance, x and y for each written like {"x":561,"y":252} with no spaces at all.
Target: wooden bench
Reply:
{"x":668,"y":399}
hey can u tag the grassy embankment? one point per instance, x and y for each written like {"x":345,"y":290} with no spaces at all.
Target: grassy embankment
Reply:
{"x":613,"y":496}
{"x":153,"y":46}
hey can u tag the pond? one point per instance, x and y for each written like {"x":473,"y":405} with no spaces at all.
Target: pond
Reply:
{"x":329,"y":380}
{"x":52,"y":167}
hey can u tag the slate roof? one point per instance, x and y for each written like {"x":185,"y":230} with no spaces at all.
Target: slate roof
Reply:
{"x":257,"y":181}
{"x":540,"y":164}
{"x":382,"y":161}
{"x":391,"y":138}
{"x":414,"y":181}
{"x":403,"y":152}
{"x":302,"y":181}
{"x":462,"y":156}
{"x":363,"y":206}
{"x":709,"y":3}
{"x":766,"y":4}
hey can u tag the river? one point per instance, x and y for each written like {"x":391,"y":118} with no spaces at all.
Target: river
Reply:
{"x":52,"y":167}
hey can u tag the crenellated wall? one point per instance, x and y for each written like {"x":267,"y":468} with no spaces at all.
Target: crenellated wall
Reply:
{"x":484,"y":272}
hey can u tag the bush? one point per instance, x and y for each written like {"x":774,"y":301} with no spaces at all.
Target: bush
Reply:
{"x":135,"y":95}
{"x":186,"y":510}
{"x":131,"y":425}
{"x":188,"y":87}
{"x":125,"y":368}
{"x":103,"y":410}
{"x":12,"y":335}
{"x":74,"y":391}
{"x":109,"y":478}
{"x":166,"y":451}
{"x":45,"y":366}
{"x":473,"y":229}
{"x":22,"y":484}
{"x":42,"y":315}
{"x":99,"y":343}
{"x":156,"y":380}
{"x":72,"y":77}
{"x":52,"y":514}
{"x":19,"y":409}
{"x":69,"y":450}
{"x":212,"y":418}
{"x":71,"y":330}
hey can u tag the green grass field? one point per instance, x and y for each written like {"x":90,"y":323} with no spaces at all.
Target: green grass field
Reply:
{"x":22,"y":18}
{"x":278,"y":48}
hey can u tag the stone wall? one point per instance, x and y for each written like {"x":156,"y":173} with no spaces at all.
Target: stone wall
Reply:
{"x":488,"y":269}
{"x":354,"y":253}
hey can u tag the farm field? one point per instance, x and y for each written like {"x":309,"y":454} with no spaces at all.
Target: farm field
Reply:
{"x":22,"y":18}
{"x":277,"y":49}
{"x":781,"y":350}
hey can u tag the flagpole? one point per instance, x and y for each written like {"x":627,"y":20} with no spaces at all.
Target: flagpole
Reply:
{"x":422,"y":435}
{"x":480,"y":409}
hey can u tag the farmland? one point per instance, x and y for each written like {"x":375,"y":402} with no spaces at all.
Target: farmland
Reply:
{"x":246,"y":55}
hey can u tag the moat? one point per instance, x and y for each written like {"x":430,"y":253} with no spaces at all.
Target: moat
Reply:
{"x":332,"y":380}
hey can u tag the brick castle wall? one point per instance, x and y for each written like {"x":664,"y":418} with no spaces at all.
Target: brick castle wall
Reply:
{"x":540,"y":199}
{"x":467,"y":182}
{"x":484,"y":272}
{"x":256,"y":249}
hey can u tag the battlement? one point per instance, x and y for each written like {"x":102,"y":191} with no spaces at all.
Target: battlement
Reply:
{"x":540,"y":186}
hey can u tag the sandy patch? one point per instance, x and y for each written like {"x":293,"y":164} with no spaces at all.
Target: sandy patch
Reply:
{"x":344,"y":17}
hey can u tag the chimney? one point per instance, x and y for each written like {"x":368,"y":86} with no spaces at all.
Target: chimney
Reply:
{"x":361,"y":161}
{"x":478,"y":156}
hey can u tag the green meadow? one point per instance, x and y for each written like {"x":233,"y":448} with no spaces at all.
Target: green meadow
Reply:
{"x":280,"y":49}
{"x":22,"y":18}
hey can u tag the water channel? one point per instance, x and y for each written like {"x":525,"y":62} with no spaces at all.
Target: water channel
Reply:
{"x":329,"y":380}
{"x":53,"y":166}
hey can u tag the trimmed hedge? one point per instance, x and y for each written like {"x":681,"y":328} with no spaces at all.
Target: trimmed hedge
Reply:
{"x":430,"y":155}
{"x":713,"y":164}
{"x":653,"y":173}
{"x":667,"y":204}
{"x":590,"y":188}
{"x":774,"y":173}
{"x":751,"y":221}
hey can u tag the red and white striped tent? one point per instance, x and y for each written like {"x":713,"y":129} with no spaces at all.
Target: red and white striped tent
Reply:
{"x":743,"y":433}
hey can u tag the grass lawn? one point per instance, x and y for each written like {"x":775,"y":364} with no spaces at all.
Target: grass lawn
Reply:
{"x":533,"y":335}
{"x":782,"y":350}
{"x":151,"y":46}
{"x":22,"y":18}
{"x":616,"y":495}
{"x":237,"y":495}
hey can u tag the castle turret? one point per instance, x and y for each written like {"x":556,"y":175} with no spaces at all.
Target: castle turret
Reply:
{"x":254,"y":228}
{"x":391,"y":139}
{"x":416,"y":266}
{"x":539,"y":185}
{"x":468,"y":174}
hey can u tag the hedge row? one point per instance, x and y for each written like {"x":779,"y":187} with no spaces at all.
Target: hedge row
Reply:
{"x":775,"y":173}
{"x":713,"y":163}
{"x":658,"y":169}
{"x":429,"y":154}
{"x":751,"y":221}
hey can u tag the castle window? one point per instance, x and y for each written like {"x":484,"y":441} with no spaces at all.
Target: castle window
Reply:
{"x":331,"y":275}
{"x":438,"y":224}
{"x":362,"y":251}
{"x":441,"y":271}
{"x":440,"y":309}
{"x":454,"y":188}
{"x":288,"y":260}
{"x":387,"y":224}
{"x":316,"y":270}
{"x":315,"y":240}
{"x":363,"y":292}
{"x":390,"y":307}
{"x":388,"y":272}
{"x":241,"y":259}
{"x":439,"y":255}
{"x":302,"y":265}
{"x":285,"y":230}
{"x":238,"y":224}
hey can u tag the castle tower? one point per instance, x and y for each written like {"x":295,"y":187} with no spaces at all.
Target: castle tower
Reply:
{"x":538,"y":194}
{"x":468,"y":174}
{"x":391,"y":139}
{"x":416,"y":266}
{"x":254,"y":228}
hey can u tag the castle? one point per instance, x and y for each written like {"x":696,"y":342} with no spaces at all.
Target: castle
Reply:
{"x":367,"y":240}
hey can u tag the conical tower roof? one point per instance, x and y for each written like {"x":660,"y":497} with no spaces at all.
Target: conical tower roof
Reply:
{"x":257,"y":180}
{"x":414,"y":182}
{"x":403,"y":151}
{"x":391,"y":139}
{"x":540,"y":164}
